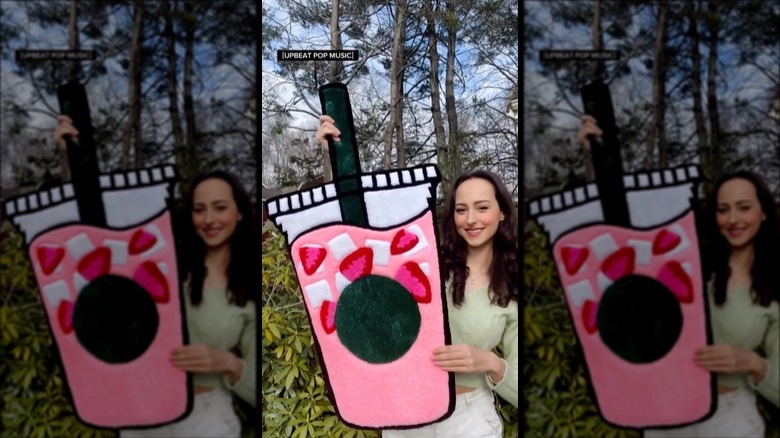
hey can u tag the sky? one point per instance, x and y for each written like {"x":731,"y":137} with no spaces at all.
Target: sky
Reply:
{"x":480,"y":83}
{"x":745,"y":82}
{"x":221,"y":83}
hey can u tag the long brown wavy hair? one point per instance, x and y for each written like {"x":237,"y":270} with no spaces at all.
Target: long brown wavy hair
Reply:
{"x":504,"y":267}
{"x":243,"y":268}
{"x":765,"y":282}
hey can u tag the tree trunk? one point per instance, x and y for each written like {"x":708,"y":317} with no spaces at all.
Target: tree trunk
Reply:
{"x":132,"y":135}
{"x":396,"y":84}
{"x":598,"y":74}
{"x":449,"y":92}
{"x":657,"y":135}
{"x":447,"y":177}
{"x":73,"y":72}
{"x":698,"y":114}
{"x":716,"y":159}
{"x":600,"y":68}
{"x":400,"y":146}
{"x":189,"y":107}
{"x":173,"y":97}
{"x":336,"y":69}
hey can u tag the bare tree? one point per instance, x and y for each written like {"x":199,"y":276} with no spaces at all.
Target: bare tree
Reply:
{"x":658,"y":132}
{"x":131,"y":139}
{"x":191,"y":150}
{"x":716,"y":159}
{"x":453,"y":140}
{"x":336,"y":69}
{"x":173,"y":95}
{"x":698,"y":111}
{"x":442,"y":151}
{"x":397,"y":66}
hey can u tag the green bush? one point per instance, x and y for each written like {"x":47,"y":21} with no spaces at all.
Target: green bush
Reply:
{"x":558,"y":402}
{"x":34,"y":396}
{"x":294,"y":399}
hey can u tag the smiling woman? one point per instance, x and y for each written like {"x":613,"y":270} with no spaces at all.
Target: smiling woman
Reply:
{"x":480,"y":264}
{"x":220,"y":296}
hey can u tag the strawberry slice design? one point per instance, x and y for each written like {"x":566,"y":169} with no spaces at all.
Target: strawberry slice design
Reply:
{"x":50,"y":257}
{"x":95,"y":264}
{"x":674,"y":277}
{"x":403,"y":241}
{"x":620,"y":263}
{"x":149,"y":276}
{"x":412,"y":277}
{"x":665,"y":241}
{"x":357,"y":264}
{"x":574,"y":257}
{"x":141,"y":241}
{"x":328,"y":316}
{"x":589,"y":312}
{"x":311,"y":257}
{"x":65,"y":316}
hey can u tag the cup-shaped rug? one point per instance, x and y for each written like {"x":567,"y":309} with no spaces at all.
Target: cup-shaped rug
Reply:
{"x":111,"y":296}
{"x":635,"y":295}
{"x":366,"y":255}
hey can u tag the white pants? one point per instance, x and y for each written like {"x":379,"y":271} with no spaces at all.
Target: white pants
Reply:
{"x":736,"y":417}
{"x":475,"y":416}
{"x":212,"y":416}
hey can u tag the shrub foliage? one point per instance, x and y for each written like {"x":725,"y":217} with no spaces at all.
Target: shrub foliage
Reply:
{"x":35,"y":403}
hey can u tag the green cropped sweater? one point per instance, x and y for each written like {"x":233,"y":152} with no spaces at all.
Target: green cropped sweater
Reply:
{"x":742,"y":323}
{"x":218,"y":323}
{"x":481,"y":324}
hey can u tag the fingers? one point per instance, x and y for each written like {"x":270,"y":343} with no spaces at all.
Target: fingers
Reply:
{"x":326,"y":119}
{"x":589,"y":127}
{"x":64,"y":129}
{"x":717,"y":358}
{"x":192,"y":358}
{"x":327,"y":128}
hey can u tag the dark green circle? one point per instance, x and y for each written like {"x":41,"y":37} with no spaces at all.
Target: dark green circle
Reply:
{"x":639,"y":319}
{"x":377,"y":319}
{"x":115,"y":319}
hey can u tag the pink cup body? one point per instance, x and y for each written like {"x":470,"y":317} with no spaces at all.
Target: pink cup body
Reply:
{"x":147,"y":390}
{"x":671,"y":390}
{"x":410,"y":390}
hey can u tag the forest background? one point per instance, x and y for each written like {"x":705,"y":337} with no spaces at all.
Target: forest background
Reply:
{"x":695,"y":82}
{"x":172,"y":82}
{"x":432,"y":85}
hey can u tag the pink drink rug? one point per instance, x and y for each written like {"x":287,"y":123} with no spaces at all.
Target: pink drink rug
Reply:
{"x":111,"y":294}
{"x":636,"y":296}
{"x":366,"y":254}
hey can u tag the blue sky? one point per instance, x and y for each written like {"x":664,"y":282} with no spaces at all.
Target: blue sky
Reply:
{"x":478,"y":84}
{"x":222,"y":82}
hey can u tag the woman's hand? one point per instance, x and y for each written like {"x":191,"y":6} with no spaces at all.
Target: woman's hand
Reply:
{"x":65,"y":128}
{"x":201,"y":358}
{"x":724,"y":358}
{"x":589,"y":126}
{"x":327,"y":128}
{"x":463,"y":358}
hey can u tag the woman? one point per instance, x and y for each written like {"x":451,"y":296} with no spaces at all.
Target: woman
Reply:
{"x":479,"y":257}
{"x":220,"y":288}
{"x":744,"y":303}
